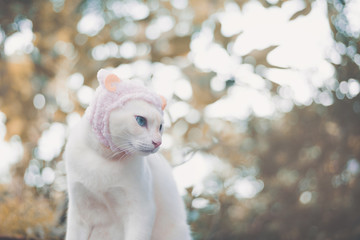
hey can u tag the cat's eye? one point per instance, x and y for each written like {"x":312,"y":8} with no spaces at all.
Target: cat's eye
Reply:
{"x":141,"y":121}
{"x":160,"y":128}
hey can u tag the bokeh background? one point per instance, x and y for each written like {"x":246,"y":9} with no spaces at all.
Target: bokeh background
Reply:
{"x":263,"y":116}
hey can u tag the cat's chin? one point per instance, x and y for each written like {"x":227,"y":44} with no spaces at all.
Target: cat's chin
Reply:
{"x":147,"y":152}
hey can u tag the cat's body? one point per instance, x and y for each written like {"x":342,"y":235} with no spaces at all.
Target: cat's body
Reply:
{"x":127,"y":192}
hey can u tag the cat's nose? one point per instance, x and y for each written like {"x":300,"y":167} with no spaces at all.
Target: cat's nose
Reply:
{"x":156,"y":143}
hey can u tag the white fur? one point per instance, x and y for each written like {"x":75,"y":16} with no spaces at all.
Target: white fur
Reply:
{"x":129,"y":195}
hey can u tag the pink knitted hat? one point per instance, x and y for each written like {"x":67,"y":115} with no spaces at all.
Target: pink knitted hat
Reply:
{"x":111,"y":94}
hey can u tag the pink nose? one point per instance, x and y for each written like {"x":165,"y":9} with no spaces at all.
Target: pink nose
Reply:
{"x":156,"y":144}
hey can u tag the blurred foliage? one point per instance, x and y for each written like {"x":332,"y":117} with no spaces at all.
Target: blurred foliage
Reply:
{"x":292,"y":174}
{"x":23,"y":213}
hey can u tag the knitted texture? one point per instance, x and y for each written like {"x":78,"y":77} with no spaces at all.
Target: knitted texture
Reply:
{"x":108,"y":99}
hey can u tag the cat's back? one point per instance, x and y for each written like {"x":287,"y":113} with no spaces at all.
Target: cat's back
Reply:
{"x":78,"y":156}
{"x":75,"y":144}
{"x":77,"y":134}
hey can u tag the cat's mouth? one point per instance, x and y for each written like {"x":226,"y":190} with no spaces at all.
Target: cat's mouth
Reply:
{"x":144,"y":149}
{"x":149,"y":151}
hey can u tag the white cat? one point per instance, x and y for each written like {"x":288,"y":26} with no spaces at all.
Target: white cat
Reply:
{"x":119,"y":187}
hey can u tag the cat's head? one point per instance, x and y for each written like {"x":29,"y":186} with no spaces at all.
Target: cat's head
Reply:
{"x":137,"y":127}
{"x":117,"y":103}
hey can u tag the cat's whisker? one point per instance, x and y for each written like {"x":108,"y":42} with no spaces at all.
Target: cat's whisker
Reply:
{"x":122,"y":151}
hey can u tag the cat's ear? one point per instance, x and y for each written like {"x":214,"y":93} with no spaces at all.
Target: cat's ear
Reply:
{"x":108,"y":79}
{"x":163,"y":102}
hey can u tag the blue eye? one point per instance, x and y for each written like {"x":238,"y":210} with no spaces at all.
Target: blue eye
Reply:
{"x":141,"y":121}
